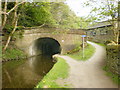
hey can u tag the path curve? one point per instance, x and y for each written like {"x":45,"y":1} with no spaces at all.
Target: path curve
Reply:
{"x":88,"y":74}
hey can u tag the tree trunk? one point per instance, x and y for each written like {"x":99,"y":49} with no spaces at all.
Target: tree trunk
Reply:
{"x":15,"y":25}
{"x":118,"y":25}
{"x":5,"y":15}
{"x":9,"y":37}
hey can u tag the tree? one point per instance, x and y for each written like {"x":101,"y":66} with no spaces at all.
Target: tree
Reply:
{"x":65,"y":18}
{"x":106,"y":9}
{"x":14,"y":22}
{"x":36,"y":14}
{"x":28,"y":14}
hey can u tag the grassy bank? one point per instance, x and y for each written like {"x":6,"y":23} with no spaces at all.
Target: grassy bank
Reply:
{"x":114,"y":77}
{"x":13,"y":53}
{"x":88,"y":52}
{"x":101,"y":44}
{"x":12,"y":64}
{"x":59,"y":70}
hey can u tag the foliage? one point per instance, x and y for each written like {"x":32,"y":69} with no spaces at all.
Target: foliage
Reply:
{"x":114,"y":77}
{"x":112,"y":63}
{"x":8,"y":28}
{"x":47,"y":14}
{"x":12,"y":64}
{"x":55,"y":73}
{"x":101,"y":44}
{"x":12,"y":53}
{"x":40,"y":14}
{"x":106,"y":10}
{"x":18,"y":34}
{"x":103,"y":9}
{"x":65,"y":18}
{"x":83,"y":22}
{"x":35,"y":14}
{"x":50,"y":14}
{"x":113,"y":58}
{"x":88,"y":52}
{"x":74,"y":50}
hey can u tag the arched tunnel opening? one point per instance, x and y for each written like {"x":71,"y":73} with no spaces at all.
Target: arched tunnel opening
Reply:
{"x":47,"y":46}
{"x":36,"y":67}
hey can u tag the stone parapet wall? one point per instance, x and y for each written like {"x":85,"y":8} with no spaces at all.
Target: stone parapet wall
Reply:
{"x":53,"y":31}
{"x":102,"y":38}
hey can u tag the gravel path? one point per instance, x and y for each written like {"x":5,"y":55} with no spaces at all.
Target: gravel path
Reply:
{"x":88,"y":74}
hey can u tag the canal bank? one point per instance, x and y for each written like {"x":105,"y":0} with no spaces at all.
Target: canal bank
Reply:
{"x":83,"y":74}
{"x":25,"y":73}
{"x":56,"y":77}
{"x":59,"y":70}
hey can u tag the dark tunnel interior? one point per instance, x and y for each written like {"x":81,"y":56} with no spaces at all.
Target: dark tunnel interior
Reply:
{"x":47,"y":46}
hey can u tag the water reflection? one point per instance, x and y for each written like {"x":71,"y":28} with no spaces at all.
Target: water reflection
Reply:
{"x":26,"y":75}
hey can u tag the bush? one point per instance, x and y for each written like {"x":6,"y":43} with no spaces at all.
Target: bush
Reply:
{"x":74,"y":50}
{"x":8,"y":28}
{"x":113,"y":59}
{"x":107,"y":42}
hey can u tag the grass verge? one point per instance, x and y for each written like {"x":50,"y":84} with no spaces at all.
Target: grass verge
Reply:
{"x":114,"y":77}
{"x":59,"y":70}
{"x":12,"y":64}
{"x":12,"y":53}
{"x":101,"y":44}
{"x":88,"y":52}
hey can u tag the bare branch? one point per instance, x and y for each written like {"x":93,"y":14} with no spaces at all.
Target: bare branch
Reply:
{"x":42,"y":25}
{"x":1,"y":12}
{"x":9,"y":37}
{"x":15,"y":7}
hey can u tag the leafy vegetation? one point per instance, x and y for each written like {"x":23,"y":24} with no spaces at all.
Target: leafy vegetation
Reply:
{"x":45,"y":13}
{"x":42,"y":14}
{"x":13,"y":53}
{"x":88,"y":52}
{"x":12,"y":64}
{"x":74,"y":50}
{"x":106,"y":10}
{"x":55,"y":73}
{"x":101,"y":44}
{"x":114,"y":77}
{"x":49,"y":14}
{"x":35,"y":14}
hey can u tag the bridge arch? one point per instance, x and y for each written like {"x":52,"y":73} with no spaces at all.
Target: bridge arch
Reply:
{"x":45,"y":46}
{"x":68,"y":39}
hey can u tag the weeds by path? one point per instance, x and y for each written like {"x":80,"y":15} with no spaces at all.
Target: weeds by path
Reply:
{"x":88,"y":52}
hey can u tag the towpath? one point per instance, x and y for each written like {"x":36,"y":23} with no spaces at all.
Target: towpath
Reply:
{"x":88,"y":74}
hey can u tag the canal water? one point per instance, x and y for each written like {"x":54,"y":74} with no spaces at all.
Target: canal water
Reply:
{"x":25,"y":73}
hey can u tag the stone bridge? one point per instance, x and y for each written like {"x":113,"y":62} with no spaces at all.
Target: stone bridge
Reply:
{"x":49,"y":40}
